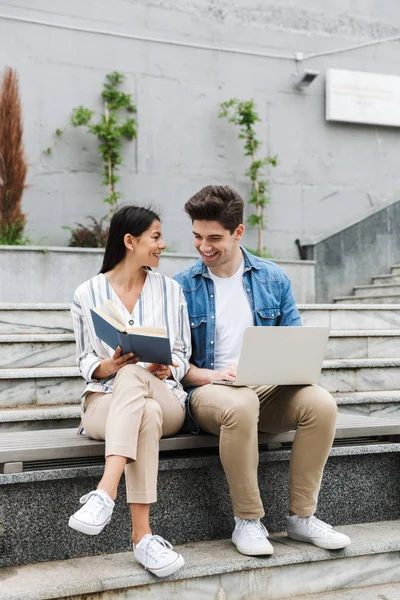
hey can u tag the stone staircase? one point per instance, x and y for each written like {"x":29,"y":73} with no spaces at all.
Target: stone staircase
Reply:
{"x":383,"y":289}
{"x":40,"y":386}
{"x":40,"y":389}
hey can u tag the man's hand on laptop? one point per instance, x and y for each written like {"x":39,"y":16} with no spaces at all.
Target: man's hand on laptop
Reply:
{"x":197,"y":377}
{"x":226,"y":374}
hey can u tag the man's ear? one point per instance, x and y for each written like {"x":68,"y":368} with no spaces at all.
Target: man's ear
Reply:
{"x":239,"y":232}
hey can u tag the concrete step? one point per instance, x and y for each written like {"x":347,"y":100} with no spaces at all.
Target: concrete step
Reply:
{"x":395,"y":269}
{"x":373,"y":343}
{"x":361,"y":483}
{"x":35,"y":318}
{"x":368,"y":299}
{"x":383,"y":289}
{"x":58,"y":350}
{"x":386,"y":279}
{"x":64,"y":385}
{"x":384,"y":404}
{"x":40,"y":386}
{"x":361,"y":375}
{"x":55,"y":318}
{"x":353,"y":316}
{"x":367,"y":570}
{"x":19,"y":351}
{"x":39,"y":418}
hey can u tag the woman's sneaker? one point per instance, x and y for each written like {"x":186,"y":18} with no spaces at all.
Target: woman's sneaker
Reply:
{"x":312,"y":530}
{"x":95,"y":513}
{"x":251,"y":537}
{"x":157,"y":555}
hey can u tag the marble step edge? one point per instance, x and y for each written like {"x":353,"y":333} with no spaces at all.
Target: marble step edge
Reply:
{"x":388,"y":591}
{"x":371,"y":297}
{"x":303,"y":307}
{"x":73,"y":411}
{"x":117,"y":572}
{"x":372,"y":286}
{"x":40,"y":413}
{"x":54,"y":372}
{"x":15,"y":338}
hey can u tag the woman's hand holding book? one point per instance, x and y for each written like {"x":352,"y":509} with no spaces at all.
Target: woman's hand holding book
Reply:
{"x":111,"y":366}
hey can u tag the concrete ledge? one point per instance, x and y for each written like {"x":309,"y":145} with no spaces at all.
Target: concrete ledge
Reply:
{"x":372,"y":558}
{"x":361,"y":484}
{"x":51,"y":274}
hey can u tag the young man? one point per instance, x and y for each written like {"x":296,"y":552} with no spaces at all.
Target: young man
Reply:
{"x":227,"y":290}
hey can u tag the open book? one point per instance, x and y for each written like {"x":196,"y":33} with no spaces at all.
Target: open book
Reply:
{"x":151,"y":344}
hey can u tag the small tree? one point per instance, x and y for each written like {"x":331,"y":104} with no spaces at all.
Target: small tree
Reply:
{"x":13,"y":167}
{"x":110,"y":131}
{"x":243,"y":113}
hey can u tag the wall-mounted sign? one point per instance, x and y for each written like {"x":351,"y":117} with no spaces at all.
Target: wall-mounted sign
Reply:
{"x":359,"y":97}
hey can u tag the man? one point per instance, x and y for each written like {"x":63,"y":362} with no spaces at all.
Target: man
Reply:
{"x":227,"y":290}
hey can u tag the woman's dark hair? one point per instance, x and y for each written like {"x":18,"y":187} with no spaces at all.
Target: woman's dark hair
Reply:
{"x":217,"y":203}
{"x":126,"y":219}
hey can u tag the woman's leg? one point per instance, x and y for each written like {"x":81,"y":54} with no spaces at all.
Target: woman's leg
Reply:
{"x":132,"y":419}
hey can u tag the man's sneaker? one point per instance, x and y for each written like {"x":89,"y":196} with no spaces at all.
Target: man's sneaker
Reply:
{"x":95,"y":513}
{"x":157,"y":555}
{"x":312,"y":530}
{"x":251,"y":537}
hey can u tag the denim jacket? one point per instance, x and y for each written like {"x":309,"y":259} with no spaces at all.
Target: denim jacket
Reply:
{"x":267,"y":287}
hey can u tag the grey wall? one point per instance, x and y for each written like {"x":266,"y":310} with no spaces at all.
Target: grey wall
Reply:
{"x":353,"y":256}
{"x":329,"y":174}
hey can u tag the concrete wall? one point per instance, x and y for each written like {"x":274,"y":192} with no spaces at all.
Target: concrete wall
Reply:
{"x":353,"y":256}
{"x":329,"y":174}
{"x":29,"y":274}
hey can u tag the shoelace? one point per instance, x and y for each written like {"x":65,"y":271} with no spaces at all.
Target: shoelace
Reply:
{"x":98,"y":502}
{"x":254,"y":529}
{"x":315,"y":523}
{"x":156,"y":547}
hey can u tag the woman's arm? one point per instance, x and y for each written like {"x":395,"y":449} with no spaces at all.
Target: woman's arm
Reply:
{"x":90,"y":365}
{"x":86,"y":357}
{"x":182,"y":348}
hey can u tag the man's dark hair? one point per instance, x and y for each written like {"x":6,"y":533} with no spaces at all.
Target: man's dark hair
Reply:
{"x":216,"y":203}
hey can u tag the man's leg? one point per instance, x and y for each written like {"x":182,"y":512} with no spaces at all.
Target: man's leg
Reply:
{"x":312,"y":411}
{"x":232,"y":413}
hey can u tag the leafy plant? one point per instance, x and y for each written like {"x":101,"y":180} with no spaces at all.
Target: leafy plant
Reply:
{"x":13,"y":167}
{"x":243,"y":113}
{"x":110,"y":131}
{"x":89,"y":236}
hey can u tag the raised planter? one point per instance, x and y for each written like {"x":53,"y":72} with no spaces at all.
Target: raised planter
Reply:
{"x":39,"y":274}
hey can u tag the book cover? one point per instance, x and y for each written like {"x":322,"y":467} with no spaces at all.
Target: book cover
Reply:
{"x":149,"y":348}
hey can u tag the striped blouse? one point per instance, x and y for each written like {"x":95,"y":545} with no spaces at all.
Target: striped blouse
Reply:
{"x":160,"y":303}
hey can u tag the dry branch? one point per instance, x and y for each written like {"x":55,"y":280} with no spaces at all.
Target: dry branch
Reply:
{"x":13,"y":167}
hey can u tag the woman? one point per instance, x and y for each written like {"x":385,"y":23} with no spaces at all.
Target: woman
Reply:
{"x":129,"y":404}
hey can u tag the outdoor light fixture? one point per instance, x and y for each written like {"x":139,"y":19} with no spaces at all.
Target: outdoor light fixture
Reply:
{"x":305,"y":78}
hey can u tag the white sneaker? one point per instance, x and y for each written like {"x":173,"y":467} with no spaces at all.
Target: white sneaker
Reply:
{"x":157,"y":555}
{"x":312,"y":530}
{"x":251,"y":537}
{"x":95,"y":513}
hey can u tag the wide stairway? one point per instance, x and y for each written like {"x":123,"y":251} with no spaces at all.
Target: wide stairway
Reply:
{"x":383,"y":289}
{"x":40,"y":391}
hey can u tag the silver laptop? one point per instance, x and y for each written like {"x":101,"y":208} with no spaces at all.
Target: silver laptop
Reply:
{"x":280,"y":356}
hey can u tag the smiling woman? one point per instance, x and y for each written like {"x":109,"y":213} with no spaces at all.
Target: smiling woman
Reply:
{"x":130,"y":404}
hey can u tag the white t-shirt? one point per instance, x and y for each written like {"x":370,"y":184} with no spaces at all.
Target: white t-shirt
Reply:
{"x":233,"y":314}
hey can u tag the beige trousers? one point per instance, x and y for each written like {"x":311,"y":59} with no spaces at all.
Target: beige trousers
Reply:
{"x":132,"y":419}
{"x":236,"y":413}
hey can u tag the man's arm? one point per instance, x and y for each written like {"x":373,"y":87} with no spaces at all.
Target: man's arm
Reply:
{"x":197,"y":377}
{"x":289,"y":314}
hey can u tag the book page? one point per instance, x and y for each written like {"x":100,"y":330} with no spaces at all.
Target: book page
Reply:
{"x":150,"y":330}
{"x":110,"y":309}
{"x":110,"y":320}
